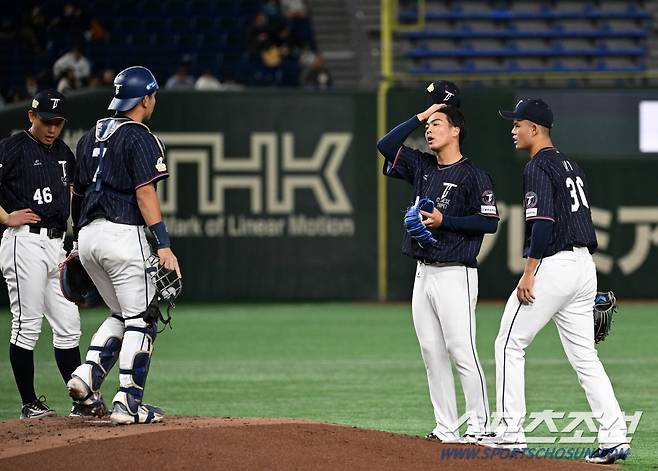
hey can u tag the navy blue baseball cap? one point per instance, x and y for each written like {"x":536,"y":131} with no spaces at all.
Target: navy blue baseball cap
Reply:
{"x":130,"y":86}
{"x":532,"y":109}
{"x":49,"y":104}
{"x":443,"y":91}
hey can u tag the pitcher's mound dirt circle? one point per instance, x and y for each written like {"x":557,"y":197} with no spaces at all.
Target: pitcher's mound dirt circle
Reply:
{"x":204,"y":443}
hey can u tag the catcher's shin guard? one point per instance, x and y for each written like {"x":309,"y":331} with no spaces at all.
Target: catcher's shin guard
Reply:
{"x":85,"y":383}
{"x":134,"y":362}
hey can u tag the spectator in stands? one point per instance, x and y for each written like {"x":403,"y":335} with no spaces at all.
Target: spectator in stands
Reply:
{"x":274,"y":16}
{"x":27,"y":91}
{"x":76,"y":61}
{"x":71,"y":21}
{"x":32,"y":31}
{"x":299,"y":24}
{"x":67,"y":82}
{"x":317,"y":75}
{"x":107,"y":78}
{"x":230,"y":84}
{"x":259,"y":36}
{"x":96,"y":31}
{"x":263,"y":42}
{"x":207,"y":81}
{"x":181,"y":80}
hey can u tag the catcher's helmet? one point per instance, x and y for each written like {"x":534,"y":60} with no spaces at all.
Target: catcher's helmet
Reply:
{"x":76,"y":283}
{"x":130,"y":86}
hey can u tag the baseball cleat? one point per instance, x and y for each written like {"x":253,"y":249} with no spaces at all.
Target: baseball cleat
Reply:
{"x":126,"y":411}
{"x":474,"y":438}
{"x":37,"y":408}
{"x":609,"y":455}
{"x":79,"y":410}
{"x":88,"y":403}
{"x":492,"y":440}
{"x":469,"y":439}
{"x":466,"y":439}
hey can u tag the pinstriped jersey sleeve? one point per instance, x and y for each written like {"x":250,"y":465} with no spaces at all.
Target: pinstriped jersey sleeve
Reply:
{"x":538,"y":193}
{"x":78,"y":188}
{"x":405,"y":164}
{"x":482,"y":199}
{"x":9,"y":147}
{"x":147,"y":164}
{"x":70,"y":167}
{"x":3,"y":158}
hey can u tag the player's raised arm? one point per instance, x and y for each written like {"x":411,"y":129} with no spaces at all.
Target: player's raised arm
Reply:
{"x":389,"y":145}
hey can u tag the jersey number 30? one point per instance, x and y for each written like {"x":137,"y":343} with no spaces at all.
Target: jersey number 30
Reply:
{"x":577,"y":192}
{"x":43,"y":195}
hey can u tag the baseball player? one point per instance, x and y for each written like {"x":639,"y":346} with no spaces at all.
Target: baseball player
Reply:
{"x":35,"y":172}
{"x":446,"y":284}
{"x":114,"y":196}
{"x":558,"y":282}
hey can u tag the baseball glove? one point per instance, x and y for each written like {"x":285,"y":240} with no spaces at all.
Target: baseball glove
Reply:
{"x":605,"y":304}
{"x":413,"y":222}
{"x":76,"y":283}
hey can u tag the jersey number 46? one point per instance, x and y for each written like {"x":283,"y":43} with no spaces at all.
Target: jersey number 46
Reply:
{"x":43,"y":195}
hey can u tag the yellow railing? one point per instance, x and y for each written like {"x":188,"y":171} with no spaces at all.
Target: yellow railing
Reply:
{"x":388,"y":25}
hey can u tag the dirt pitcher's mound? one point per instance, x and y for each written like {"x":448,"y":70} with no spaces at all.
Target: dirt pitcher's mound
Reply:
{"x":203,"y":443}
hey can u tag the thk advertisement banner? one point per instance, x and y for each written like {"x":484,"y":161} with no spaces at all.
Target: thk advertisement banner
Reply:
{"x":270,"y":194}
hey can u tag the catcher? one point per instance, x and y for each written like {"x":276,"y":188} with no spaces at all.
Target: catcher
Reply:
{"x":454,"y":207}
{"x":119,"y":163}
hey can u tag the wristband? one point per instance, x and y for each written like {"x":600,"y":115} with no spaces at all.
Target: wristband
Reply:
{"x":159,"y":231}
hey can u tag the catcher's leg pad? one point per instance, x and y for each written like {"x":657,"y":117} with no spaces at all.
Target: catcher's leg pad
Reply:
{"x":92,"y":372}
{"x":85,"y":383}
{"x":135,"y":359}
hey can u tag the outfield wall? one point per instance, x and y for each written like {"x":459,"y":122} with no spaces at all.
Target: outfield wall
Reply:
{"x":273,"y":193}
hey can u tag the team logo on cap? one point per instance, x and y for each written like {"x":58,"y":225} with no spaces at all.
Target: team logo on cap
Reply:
{"x":55,"y":102}
{"x":35,"y":103}
{"x":117,"y":87}
{"x":448,"y":95}
{"x":430,"y":87}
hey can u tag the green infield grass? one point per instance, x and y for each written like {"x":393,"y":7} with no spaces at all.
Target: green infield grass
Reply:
{"x":350,"y":363}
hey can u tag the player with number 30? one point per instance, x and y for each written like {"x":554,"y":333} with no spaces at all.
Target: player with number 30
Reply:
{"x":559,"y":283}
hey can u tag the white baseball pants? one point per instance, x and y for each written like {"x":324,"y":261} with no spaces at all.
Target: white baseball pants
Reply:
{"x":565,"y":287}
{"x":443,"y":309}
{"x":113,"y":255}
{"x":30,"y":265}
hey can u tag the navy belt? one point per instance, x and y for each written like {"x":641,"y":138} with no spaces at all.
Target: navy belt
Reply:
{"x":435,"y":263}
{"x":52,"y":233}
{"x":572,"y":247}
